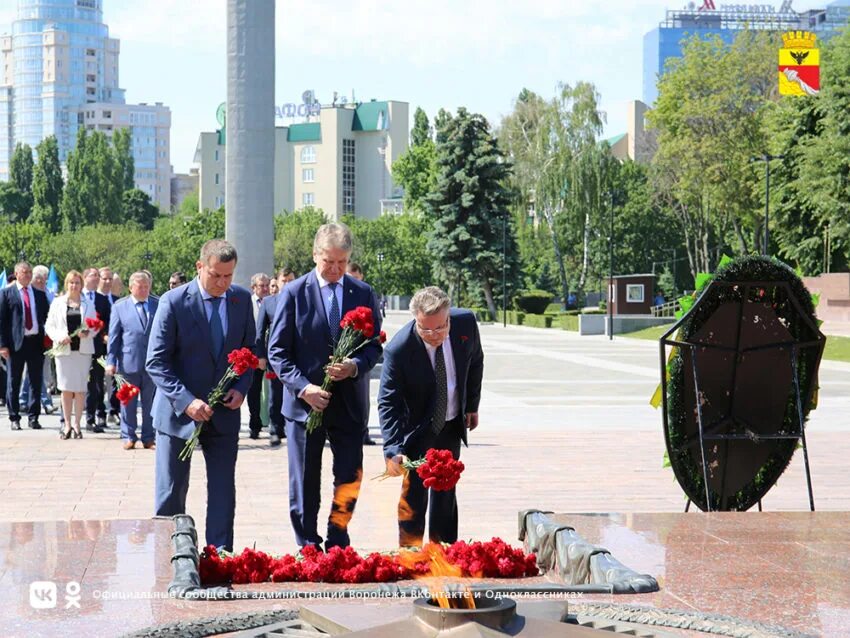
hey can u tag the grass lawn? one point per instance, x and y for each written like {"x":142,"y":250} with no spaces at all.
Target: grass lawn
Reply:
{"x":837,"y":348}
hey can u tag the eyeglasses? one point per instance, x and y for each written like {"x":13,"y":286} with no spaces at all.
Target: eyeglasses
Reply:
{"x":435,"y":331}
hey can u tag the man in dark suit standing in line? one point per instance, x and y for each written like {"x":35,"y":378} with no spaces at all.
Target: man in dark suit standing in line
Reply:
{"x":129,"y":333}
{"x":108,"y":285}
{"x":23,"y":312}
{"x":429,"y":395}
{"x":354,"y":270}
{"x":195,"y":327}
{"x":303,"y":334}
{"x":277,"y":431}
{"x":95,"y":406}
{"x":259,"y":291}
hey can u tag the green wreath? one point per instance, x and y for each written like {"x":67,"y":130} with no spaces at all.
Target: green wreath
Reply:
{"x":687,"y":464}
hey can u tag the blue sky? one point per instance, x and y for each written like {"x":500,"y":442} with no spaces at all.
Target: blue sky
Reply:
{"x":433,"y":54}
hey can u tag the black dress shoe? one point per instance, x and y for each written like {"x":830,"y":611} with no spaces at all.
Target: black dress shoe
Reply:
{"x":16,"y":425}
{"x":274,"y":440}
{"x":101,"y":424}
{"x":98,"y":429}
{"x":368,"y":441}
{"x":35,"y":425}
{"x":255,"y":434}
{"x":89,"y":427}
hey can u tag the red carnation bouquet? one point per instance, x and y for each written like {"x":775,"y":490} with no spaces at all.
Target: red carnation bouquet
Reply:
{"x":90,"y":324}
{"x":358,"y":329}
{"x":240,"y":361}
{"x":126,"y":391}
{"x":438,"y":469}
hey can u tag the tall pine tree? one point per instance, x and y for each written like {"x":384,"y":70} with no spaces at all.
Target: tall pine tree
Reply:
{"x":469,"y":205}
{"x":47,"y":185}
{"x":77,"y":200}
{"x":123,"y":145}
{"x":20,"y":172}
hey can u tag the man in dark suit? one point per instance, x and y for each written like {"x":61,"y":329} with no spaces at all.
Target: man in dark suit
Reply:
{"x":429,"y":395}
{"x":259,"y":291}
{"x":129,"y":333}
{"x":195,"y":327}
{"x":109,"y":285}
{"x":303,"y":333}
{"x":277,"y":431}
{"x":23,"y":312}
{"x":354,"y":270}
{"x":95,"y":406}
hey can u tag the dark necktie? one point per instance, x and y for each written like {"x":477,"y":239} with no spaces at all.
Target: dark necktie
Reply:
{"x":27,"y":309}
{"x":441,"y":400}
{"x":91,"y":299}
{"x":140,"y":308}
{"x":216,"y":329}
{"x":333,"y":316}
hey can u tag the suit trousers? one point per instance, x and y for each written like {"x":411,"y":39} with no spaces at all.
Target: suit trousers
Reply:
{"x":414,"y":501}
{"x":276,"y":407}
{"x":95,"y":407}
{"x":31,"y":356}
{"x":129,"y":416}
{"x":172,"y":481}
{"x":305,"y":473}
{"x":254,"y":395}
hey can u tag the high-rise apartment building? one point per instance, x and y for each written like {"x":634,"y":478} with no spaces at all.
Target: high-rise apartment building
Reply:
{"x":59,"y":71}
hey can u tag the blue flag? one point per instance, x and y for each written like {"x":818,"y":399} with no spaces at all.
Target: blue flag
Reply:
{"x":53,"y":281}
{"x":3,"y":279}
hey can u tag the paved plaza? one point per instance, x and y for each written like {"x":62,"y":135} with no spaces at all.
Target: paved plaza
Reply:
{"x":565,"y":425}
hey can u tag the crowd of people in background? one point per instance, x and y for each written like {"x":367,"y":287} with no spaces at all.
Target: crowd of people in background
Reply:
{"x":45,"y":345}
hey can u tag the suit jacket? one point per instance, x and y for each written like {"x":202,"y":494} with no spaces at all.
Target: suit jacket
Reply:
{"x":407,"y":393}
{"x":180,"y":360}
{"x":12,"y":316}
{"x":104,"y":312}
{"x":264,"y":323}
{"x":300,"y":345}
{"x":128,"y":339}
{"x":57,"y":325}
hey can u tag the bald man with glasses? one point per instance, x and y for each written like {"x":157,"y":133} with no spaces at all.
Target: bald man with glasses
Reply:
{"x":429,"y":396}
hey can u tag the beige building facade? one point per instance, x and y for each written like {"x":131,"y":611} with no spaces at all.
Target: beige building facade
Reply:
{"x":150,"y":128}
{"x":340,"y":162}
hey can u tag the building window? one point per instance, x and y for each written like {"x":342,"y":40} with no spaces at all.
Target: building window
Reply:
{"x":216,"y":155}
{"x":308,"y":199}
{"x":107,"y":115}
{"x":89,"y":51}
{"x":348,"y":176}
{"x":216,"y":179}
{"x":90,"y":77}
{"x":308,"y":155}
{"x":634,"y":293}
{"x":307,"y":175}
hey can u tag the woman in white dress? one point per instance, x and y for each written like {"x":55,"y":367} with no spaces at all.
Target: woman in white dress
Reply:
{"x":67,"y":314}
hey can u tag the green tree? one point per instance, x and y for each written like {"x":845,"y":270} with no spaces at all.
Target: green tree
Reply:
{"x":14,"y":205}
{"x":107,"y":180}
{"x":77,"y":198}
{"x":137,"y":207}
{"x":125,"y":167}
{"x":421,"y":132}
{"x":708,"y":130}
{"x":294,"y":233}
{"x":468,"y":205}
{"x":401,"y":240}
{"x":441,"y":121}
{"x":545,"y":280}
{"x":175,"y":243}
{"x":20,"y":168}
{"x":47,"y":185}
{"x":416,"y":171}
{"x":26,"y":237}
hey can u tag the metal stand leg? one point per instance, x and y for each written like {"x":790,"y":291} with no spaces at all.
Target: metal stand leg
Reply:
{"x":802,"y":427}
{"x":699,"y":422}
{"x":759,"y":505}
{"x":688,"y":505}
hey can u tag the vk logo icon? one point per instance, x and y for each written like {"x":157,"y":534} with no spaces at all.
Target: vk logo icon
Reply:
{"x":43,"y":594}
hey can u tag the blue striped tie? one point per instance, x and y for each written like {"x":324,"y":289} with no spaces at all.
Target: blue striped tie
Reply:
{"x":333,"y":316}
{"x":216,"y":329}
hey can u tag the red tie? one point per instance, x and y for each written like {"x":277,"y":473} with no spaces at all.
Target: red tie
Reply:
{"x":27,"y":309}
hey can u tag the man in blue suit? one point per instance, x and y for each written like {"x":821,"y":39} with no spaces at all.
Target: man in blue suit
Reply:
{"x":265,"y":315}
{"x":195,"y":327}
{"x":303,"y":333}
{"x":129,"y":332}
{"x":429,"y":396}
{"x":23,"y":312}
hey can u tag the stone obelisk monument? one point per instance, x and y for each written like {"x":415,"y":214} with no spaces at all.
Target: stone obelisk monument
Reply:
{"x":249,"y":189}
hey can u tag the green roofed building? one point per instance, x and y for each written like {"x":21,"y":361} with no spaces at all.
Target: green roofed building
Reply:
{"x":339,"y":160}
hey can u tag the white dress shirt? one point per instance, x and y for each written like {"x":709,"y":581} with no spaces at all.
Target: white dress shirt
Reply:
{"x":222,"y":307}
{"x":33,"y":313}
{"x":255,"y":304}
{"x":453,"y":403}
{"x":90,"y":296}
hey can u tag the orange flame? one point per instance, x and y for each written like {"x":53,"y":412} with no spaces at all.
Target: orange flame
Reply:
{"x":440,"y":568}
{"x":345,"y":498}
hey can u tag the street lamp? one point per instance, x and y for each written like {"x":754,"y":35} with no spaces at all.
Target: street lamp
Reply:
{"x":766,"y":159}
{"x":505,"y":269}
{"x":611,"y":273}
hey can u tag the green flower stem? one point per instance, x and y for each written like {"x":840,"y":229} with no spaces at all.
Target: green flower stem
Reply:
{"x":214,"y":399}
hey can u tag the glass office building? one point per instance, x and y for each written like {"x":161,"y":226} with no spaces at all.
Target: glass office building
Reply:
{"x":58,"y":56}
{"x":665,"y":42}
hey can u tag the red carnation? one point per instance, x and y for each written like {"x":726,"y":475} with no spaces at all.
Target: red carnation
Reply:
{"x":440,"y":471}
{"x":270,"y":374}
{"x":242,"y":360}
{"x":94,"y":324}
{"x":126,"y":393}
{"x":382,"y":337}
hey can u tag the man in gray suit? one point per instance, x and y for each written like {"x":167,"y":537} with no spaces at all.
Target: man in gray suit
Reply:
{"x":195,"y":327}
{"x":129,"y":332}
